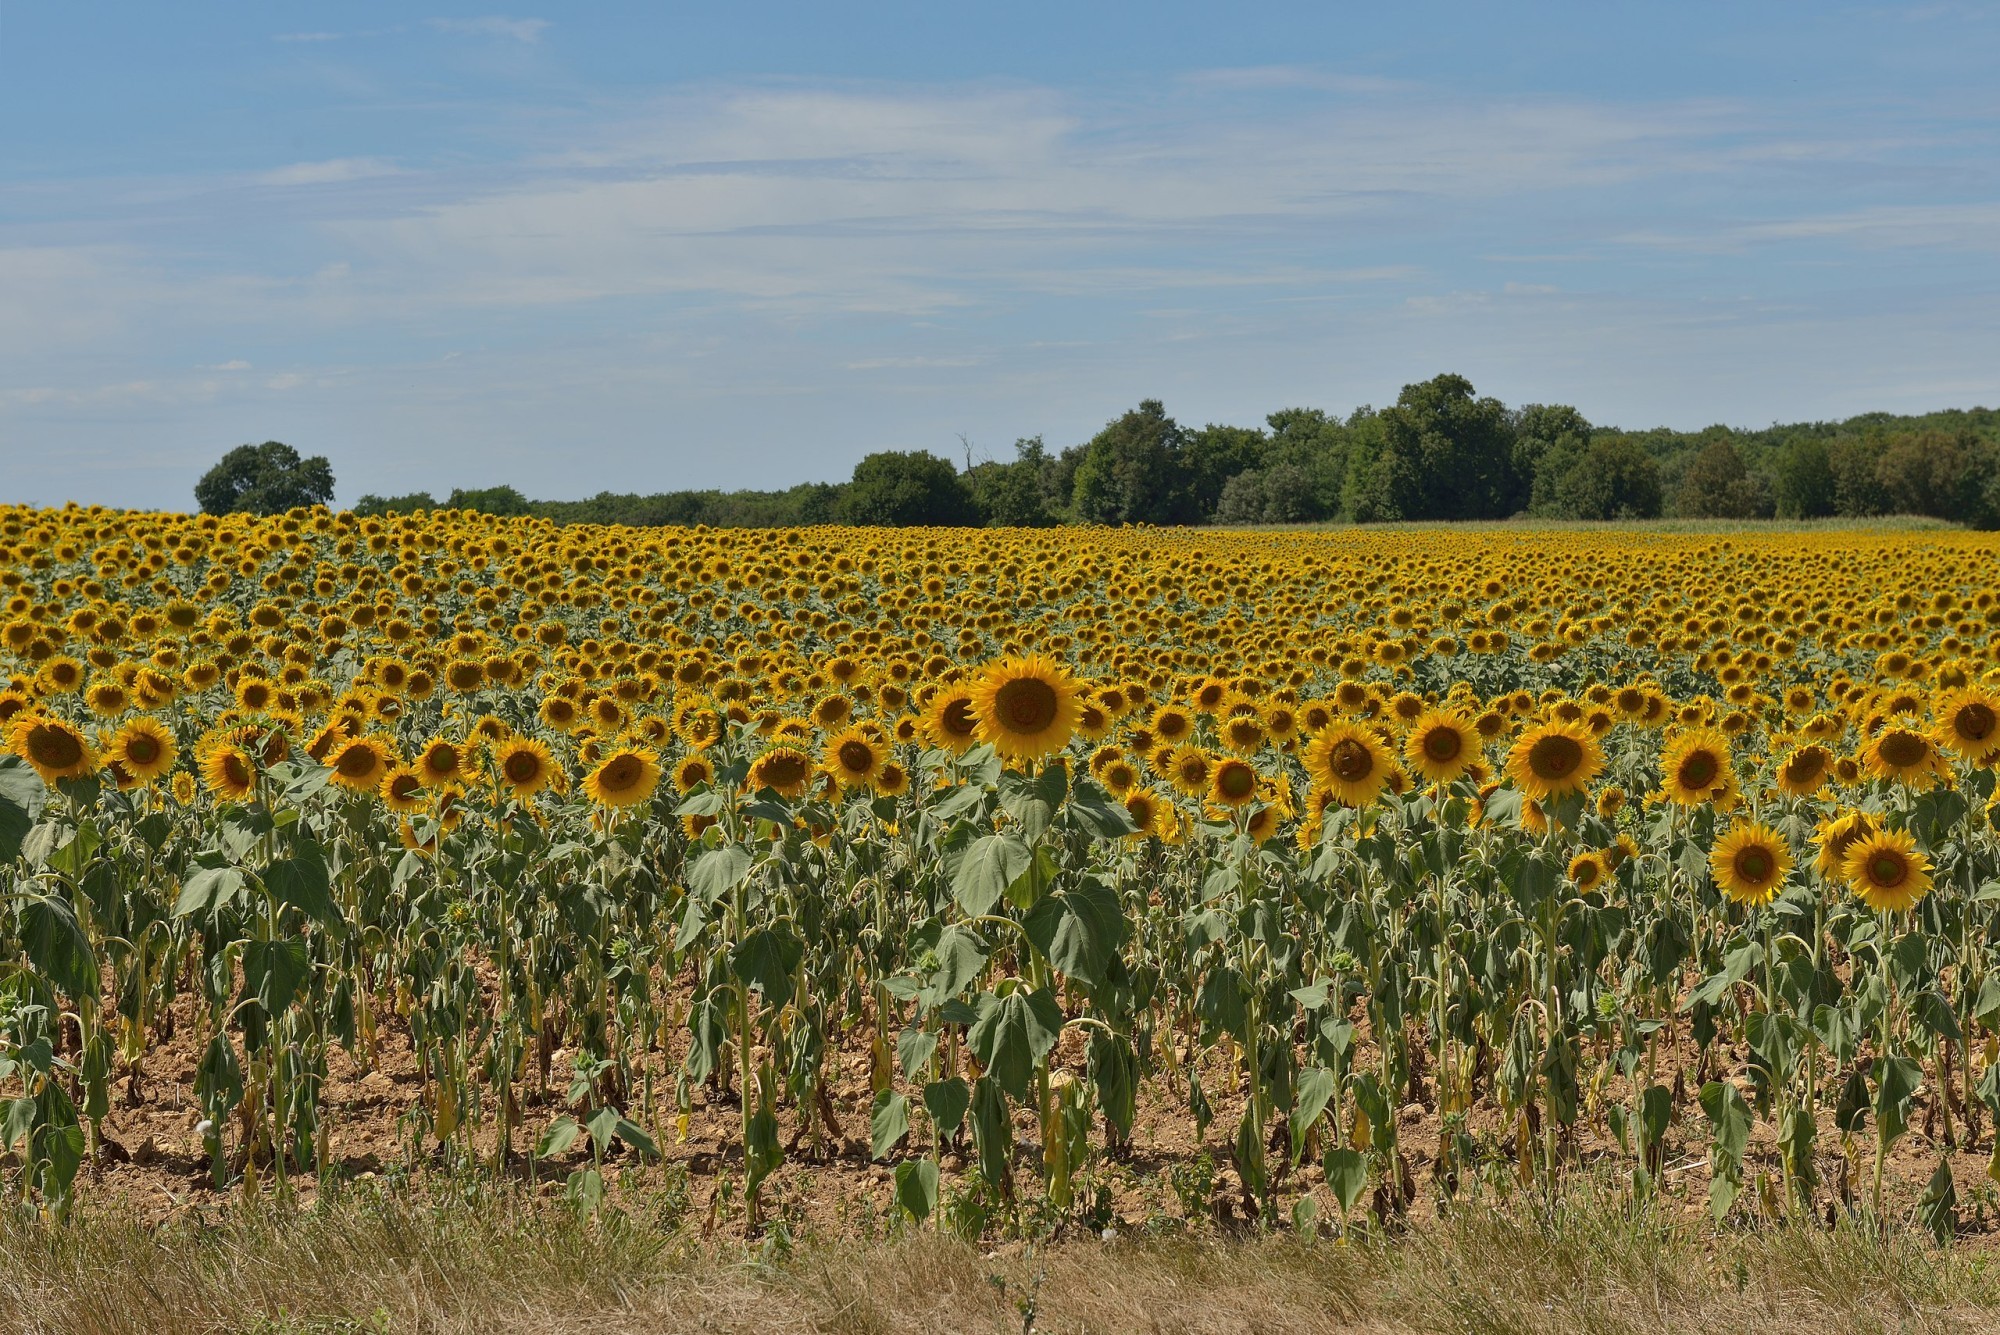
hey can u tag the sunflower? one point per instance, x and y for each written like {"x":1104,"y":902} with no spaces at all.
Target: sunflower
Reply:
{"x":1144,"y":809}
{"x":853,"y":757}
{"x":1242,"y":733}
{"x":1188,"y":769}
{"x":359,"y":765}
{"x":1350,"y":762}
{"x":1026,"y":707}
{"x":782,"y":769}
{"x":559,"y":713}
{"x":401,"y":789}
{"x":624,"y":778}
{"x":1836,"y":837}
{"x":950,"y":721}
{"x":524,"y":765}
{"x":1587,"y":870}
{"x":1902,"y":753}
{"x":1440,"y":745}
{"x":1805,"y":771}
{"x":1887,"y":872}
{"x":1750,"y":863}
{"x":892,"y":780}
{"x":1263,"y":823}
{"x":1695,"y":767}
{"x":441,"y":762}
{"x":692,"y":772}
{"x":142,"y":750}
{"x":1232,"y":783}
{"x":1968,"y":722}
{"x":229,"y":772}
{"x":107,"y":699}
{"x":1554,"y":760}
{"x":54,"y":748}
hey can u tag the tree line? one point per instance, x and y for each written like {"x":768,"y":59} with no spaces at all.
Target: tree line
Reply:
{"x":1440,"y":452}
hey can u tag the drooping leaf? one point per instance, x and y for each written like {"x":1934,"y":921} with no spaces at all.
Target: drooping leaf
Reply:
{"x":1012,"y":1034}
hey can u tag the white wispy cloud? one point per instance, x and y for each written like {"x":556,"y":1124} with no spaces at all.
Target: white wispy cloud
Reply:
{"x":306,"y":37}
{"x":493,"y":25}
{"x":333,"y":171}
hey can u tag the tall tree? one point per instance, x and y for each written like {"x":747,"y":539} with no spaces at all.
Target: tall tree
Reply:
{"x":1802,"y":481}
{"x":1442,"y":453}
{"x":1719,"y":485}
{"x":905,"y":488}
{"x":1133,"y":471}
{"x":265,"y":479}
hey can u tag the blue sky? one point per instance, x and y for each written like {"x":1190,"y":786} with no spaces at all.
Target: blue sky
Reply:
{"x":654,"y":246}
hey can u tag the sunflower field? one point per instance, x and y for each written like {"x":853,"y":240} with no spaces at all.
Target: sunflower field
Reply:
{"x":1577,"y":845}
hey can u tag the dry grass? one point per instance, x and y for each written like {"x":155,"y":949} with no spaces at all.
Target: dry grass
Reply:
{"x":382,"y":1263}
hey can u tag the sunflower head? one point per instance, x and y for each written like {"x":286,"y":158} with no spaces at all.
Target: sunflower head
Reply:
{"x":54,"y":748}
{"x":1695,"y":767}
{"x":1887,"y":872}
{"x":1750,"y":863}
{"x":360,"y":764}
{"x":229,"y":772}
{"x":1440,"y":745}
{"x":1554,"y":759}
{"x":143,"y":750}
{"x":1025,"y":707}
{"x":523,"y":766}
{"x":692,"y":772}
{"x":625,"y":778}
{"x":1903,"y":753}
{"x":1968,"y":722}
{"x":401,"y":789}
{"x":1350,"y":761}
{"x":1232,"y":783}
{"x":1805,"y":770}
{"x":950,"y":721}
{"x":782,"y":769}
{"x":853,"y":757}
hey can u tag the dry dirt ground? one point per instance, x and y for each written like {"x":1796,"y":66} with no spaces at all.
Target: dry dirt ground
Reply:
{"x":152,"y":1163}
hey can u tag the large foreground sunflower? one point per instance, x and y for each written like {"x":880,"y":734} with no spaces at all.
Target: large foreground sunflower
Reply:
{"x":1349,"y":761}
{"x":1025,"y":707}
{"x":143,"y":750}
{"x":1750,"y":863}
{"x":625,"y":778}
{"x":1440,"y":746}
{"x":53,"y":747}
{"x":1554,"y":760}
{"x":950,"y":722}
{"x":1695,"y":767}
{"x":1887,"y":872}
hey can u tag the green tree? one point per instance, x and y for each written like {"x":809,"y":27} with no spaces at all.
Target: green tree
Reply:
{"x":1132,"y":472}
{"x":903,"y":488}
{"x":1611,"y":478}
{"x":371,"y":504}
{"x":1933,"y":473}
{"x":1209,"y":458}
{"x":1554,"y":434}
{"x":1442,"y":452}
{"x":1718,"y":485}
{"x":501,"y":500}
{"x":1016,"y":494}
{"x":1856,"y":494}
{"x":1802,"y":482}
{"x":1317,"y":447}
{"x":265,"y":479}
